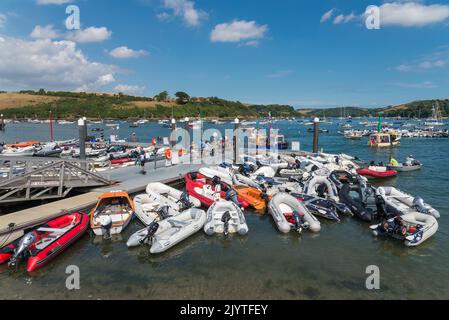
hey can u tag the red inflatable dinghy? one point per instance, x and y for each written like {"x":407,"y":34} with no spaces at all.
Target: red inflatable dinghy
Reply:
{"x":203,"y":188}
{"x":48,"y":241}
{"x":121,"y":161}
{"x":377,"y":172}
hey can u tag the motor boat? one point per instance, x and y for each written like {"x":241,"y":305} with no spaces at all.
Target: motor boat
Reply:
{"x":377,"y":172}
{"x":112,"y":214}
{"x":225,"y":217}
{"x":290,"y":214}
{"x":163,"y":235}
{"x":412,"y":228}
{"x":43,"y":244}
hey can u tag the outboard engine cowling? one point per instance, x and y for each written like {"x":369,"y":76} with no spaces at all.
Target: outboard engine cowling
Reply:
{"x":24,"y":244}
{"x":418,"y":204}
{"x":225,"y":219}
{"x":163,"y":212}
{"x":185,"y":200}
{"x":232,"y":196}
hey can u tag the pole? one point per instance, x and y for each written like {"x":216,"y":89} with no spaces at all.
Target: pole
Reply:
{"x":85,"y":126}
{"x":236,"y":131}
{"x":379,"y":123}
{"x":268,"y":143}
{"x":82,"y":137}
{"x":51,"y":126}
{"x":187,"y":142}
{"x":172,"y":135}
{"x":316,"y":126}
{"x":2,"y":123}
{"x":257,"y":138}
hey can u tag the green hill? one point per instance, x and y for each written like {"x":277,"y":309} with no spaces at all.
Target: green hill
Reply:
{"x":72,"y":105}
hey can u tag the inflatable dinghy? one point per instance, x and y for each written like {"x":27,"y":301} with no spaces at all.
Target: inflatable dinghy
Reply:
{"x":225,"y":176}
{"x":176,"y":199}
{"x":321,"y":186}
{"x":165,"y":234}
{"x":327,"y":209}
{"x":225,"y":217}
{"x":46,"y":242}
{"x":289,"y":213}
{"x":374,"y":172}
{"x":208,"y":190}
{"x":412,"y":228}
{"x":287,"y":173}
{"x":361,"y":200}
{"x":401,"y":203}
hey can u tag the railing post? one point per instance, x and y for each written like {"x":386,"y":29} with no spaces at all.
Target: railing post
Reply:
{"x":236,"y":139}
{"x":316,"y":126}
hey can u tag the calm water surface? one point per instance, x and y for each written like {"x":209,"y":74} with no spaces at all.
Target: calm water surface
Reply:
{"x":264,"y":264}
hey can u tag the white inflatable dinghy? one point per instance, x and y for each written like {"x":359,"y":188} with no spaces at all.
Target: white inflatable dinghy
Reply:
{"x":225,"y":217}
{"x":289,"y":213}
{"x":165,"y":234}
{"x":403,"y":203}
{"x":412,"y":228}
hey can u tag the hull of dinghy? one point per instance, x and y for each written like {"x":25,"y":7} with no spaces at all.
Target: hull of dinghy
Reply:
{"x":215,"y":223}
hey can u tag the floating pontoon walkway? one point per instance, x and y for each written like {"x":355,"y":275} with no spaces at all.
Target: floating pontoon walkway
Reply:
{"x":128,"y":179}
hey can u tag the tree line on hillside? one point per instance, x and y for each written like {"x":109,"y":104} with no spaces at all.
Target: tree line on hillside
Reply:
{"x":120,"y":106}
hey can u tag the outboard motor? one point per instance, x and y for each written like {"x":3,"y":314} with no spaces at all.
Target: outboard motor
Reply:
{"x":216,"y":181}
{"x":24,"y":244}
{"x":299,"y":225}
{"x":106,"y":225}
{"x":381,"y":207}
{"x":297,"y":164}
{"x":185,"y":201}
{"x":151,"y":231}
{"x":321,"y":190}
{"x":246,"y":169}
{"x":225,"y":219}
{"x":163,"y":212}
{"x":232,"y":196}
{"x":418,"y":204}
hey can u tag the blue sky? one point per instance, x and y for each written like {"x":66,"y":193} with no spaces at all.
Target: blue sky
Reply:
{"x":303,"y":53}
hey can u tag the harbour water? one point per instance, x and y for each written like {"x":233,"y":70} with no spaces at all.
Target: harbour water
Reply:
{"x":264,"y":264}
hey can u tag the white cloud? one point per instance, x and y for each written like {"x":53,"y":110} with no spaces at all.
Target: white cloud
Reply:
{"x":3,"y":20}
{"x":279,"y":74}
{"x":238,"y":30}
{"x":125,"y":53}
{"x":164,"y":16}
{"x":422,"y":65}
{"x":185,"y":9}
{"x":45,"y":2}
{"x":91,"y":34}
{"x":46,"y":32}
{"x":418,"y":85}
{"x":327,"y":15}
{"x":48,"y":64}
{"x":412,"y":14}
{"x":129,"y":89}
{"x":341,"y":18}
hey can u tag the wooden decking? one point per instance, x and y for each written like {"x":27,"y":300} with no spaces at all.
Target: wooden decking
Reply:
{"x":128,"y":179}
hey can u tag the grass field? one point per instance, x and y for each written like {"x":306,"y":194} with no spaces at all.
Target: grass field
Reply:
{"x":18,"y":100}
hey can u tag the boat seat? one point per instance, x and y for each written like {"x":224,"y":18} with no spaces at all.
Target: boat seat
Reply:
{"x":55,"y":230}
{"x":177,"y":223}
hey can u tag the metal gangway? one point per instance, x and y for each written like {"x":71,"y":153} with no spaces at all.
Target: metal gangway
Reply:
{"x":32,"y":178}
